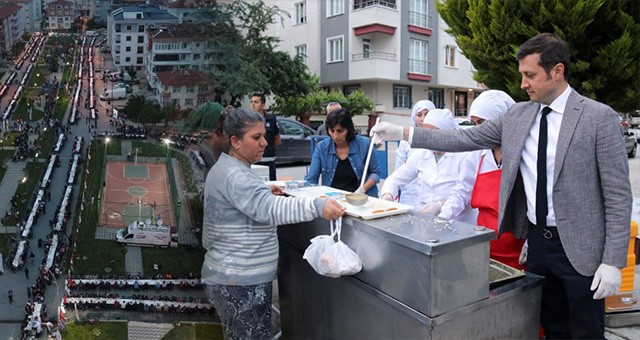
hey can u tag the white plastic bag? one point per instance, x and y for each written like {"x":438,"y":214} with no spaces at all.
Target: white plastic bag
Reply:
{"x":332,"y":258}
{"x":318,"y":246}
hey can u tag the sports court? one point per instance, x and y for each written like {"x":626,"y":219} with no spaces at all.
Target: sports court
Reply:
{"x":135,"y":192}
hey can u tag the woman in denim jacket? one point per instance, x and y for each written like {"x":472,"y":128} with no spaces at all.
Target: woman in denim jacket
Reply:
{"x":341,"y":159}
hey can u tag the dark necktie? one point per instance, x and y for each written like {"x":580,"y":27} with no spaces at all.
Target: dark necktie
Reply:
{"x":542,"y":208}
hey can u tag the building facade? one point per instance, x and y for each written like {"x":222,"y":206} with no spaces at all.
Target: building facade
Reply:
{"x":178,"y":46}
{"x":127,"y":33}
{"x":10,"y":28}
{"x":185,"y":88}
{"x":30,"y":13}
{"x":60,"y":14}
{"x":397,"y":52}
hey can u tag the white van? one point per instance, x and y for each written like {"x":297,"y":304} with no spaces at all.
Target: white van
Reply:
{"x":147,"y":234}
{"x":115,"y":94}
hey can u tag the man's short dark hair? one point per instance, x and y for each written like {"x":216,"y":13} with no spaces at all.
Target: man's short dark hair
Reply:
{"x":552,"y":49}
{"x":263,"y":99}
{"x":342,"y":117}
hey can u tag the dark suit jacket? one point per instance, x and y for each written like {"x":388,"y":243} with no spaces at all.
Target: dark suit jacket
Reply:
{"x":591,"y":188}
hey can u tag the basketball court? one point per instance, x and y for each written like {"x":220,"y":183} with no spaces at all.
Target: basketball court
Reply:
{"x":136,"y":192}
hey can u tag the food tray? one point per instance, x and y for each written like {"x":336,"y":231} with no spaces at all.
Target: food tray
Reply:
{"x":374,"y":208}
{"x":500,"y":274}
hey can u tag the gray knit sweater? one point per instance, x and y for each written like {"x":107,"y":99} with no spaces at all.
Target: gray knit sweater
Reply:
{"x":240,"y":219}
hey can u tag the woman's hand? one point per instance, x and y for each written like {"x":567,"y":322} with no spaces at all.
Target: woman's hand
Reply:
{"x":332,"y":210}
{"x":276,"y":190}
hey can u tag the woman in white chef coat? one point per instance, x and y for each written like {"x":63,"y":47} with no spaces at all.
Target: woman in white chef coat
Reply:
{"x":443,"y":181}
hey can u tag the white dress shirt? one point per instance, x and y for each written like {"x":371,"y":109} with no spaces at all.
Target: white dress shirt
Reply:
{"x":529,"y":160}
{"x":450,"y":180}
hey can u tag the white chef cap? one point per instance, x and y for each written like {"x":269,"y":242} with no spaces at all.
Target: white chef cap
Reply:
{"x":490,"y":104}
{"x":419,"y":106}
{"x":441,"y":118}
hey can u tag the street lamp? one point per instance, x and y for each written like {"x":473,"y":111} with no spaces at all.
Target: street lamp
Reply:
{"x":106,"y":141}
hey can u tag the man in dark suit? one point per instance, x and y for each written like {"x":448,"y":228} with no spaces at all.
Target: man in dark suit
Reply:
{"x":258,"y":101}
{"x":565,"y":186}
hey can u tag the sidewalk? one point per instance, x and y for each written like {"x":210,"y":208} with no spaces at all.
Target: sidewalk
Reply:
{"x":13,"y":176}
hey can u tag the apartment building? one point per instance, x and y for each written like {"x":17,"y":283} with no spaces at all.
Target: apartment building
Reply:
{"x":10,"y":30}
{"x":397,"y":52}
{"x":178,"y":46}
{"x":127,"y":33}
{"x":186,"y":88}
{"x":60,"y":14}
{"x":30,"y":14}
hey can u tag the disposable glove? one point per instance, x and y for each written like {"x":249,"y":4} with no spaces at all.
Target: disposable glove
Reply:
{"x":387,"y":196}
{"x":432,"y":208}
{"x":523,"y":253}
{"x":385,"y":131}
{"x":360,"y":190}
{"x":607,"y":280}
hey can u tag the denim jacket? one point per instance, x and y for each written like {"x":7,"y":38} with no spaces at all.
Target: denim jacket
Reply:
{"x":325,"y":161}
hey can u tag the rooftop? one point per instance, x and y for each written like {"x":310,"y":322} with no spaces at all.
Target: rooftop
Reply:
{"x":6,"y":10}
{"x":184,"y":78}
{"x":179,"y":33}
{"x":148,"y":13}
{"x":60,"y":2}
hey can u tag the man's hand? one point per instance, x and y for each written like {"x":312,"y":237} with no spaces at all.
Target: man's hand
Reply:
{"x":607,"y":280}
{"x":432,"y":208}
{"x":524,"y":253}
{"x":385,"y":131}
{"x":276,"y":190}
{"x":332,"y":210}
{"x":360,"y":190}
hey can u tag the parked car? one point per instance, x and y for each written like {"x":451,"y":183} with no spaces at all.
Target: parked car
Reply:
{"x":630,"y":140}
{"x":296,"y":142}
{"x":463,"y":122}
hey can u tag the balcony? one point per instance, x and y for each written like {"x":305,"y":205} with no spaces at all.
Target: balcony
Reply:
{"x":359,"y":4}
{"x":374,"y":65}
{"x":419,"y":70}
{"x":420,"y":23}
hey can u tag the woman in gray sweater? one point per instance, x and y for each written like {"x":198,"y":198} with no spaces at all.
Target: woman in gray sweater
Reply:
{"x":241,"y":214}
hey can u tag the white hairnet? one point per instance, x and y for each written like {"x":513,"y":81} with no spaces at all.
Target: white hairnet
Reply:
{"x":441,"y":118}
{"x":419,"y":106}
{"x":490,"y":104}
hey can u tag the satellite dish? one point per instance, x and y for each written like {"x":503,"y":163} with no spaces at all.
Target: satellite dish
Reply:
{"x":147,"y":221}
{"x":159,"y":221}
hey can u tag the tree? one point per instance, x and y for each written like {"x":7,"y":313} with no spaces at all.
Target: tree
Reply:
{"x":249,"y":62}
{"x":602,"y":37}
{"x":135,"y":104}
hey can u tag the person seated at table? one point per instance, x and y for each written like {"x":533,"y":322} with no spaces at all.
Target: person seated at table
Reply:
{"x":241,"y":215}
{"x":443,"y":180}
{"x":341,"y":159}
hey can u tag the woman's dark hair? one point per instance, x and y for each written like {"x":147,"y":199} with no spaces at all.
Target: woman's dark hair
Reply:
{"x":552,"y":49}
{"x":342,"y":117}
{"x":236,"y":122}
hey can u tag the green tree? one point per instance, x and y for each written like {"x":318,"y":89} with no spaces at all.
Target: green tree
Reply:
{"x":135,"y":104}
{"x":603,"y":38}
{"x":249,"y":62}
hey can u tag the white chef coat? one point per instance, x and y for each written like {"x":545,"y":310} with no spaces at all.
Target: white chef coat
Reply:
{"x":450,"y":180}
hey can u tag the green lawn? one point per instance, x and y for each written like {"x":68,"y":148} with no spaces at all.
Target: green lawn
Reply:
{"x":25,"y":190}
{"x":4,"y":154}
{"x":195,"y":332}
{"x":102,"y":330}
{"x":61,"y":105}
{"x":4,"y":247}
{"x":46,"y":141}
{"x":177,"y":261}
{"x":114,"y":147}
{"x":22,"y":111}
{"x":9,"y":139}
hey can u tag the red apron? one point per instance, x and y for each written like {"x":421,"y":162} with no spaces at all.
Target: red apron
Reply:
{"x":485,"y":196}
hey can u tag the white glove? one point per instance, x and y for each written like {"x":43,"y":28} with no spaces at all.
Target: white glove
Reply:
{"x":387,"y":196}
{"x":432,"y":208}
{"x":385,"y":131}
{"x":523,"y":253}
{"x":607,"y":279}
{"x":360,"y":190}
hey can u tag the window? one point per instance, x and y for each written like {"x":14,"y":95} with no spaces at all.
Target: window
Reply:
{"x":366,"y":48}
{"x":177,"y":89}
{"x":436,"y":96}
{"x":139,"y":60}
{"x":128,"y":38}
{"x":348,"y":89}
{"x":127,"y":49}
{"x":140,"y":39}
{"x":357,"y":4}
{"x":140,"y":50}
{"x":188,"y":102}
{"x":191,"y":89}
{"x":203,"y":88}
{"x":299,"y":12}
{"x":450,"y":56}
{"x":127,"y":60}
{"x":419,"y":13}
{"x":335,"y":49}
{"x":401,"y":96}
{"x":196,"y":56}
{"x":118,"y":28}
{"x":418,"y":56}
{"x":140,"y":28}
{"x":128,"y":27}
{"x":335,"y":7}
{"x":301,"y":52}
